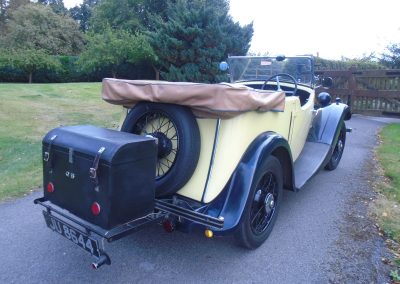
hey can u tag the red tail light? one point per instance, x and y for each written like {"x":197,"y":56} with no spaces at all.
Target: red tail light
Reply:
{"x":169,"y":226}
{"x":50,"y":187}
{"x":95,"y":208}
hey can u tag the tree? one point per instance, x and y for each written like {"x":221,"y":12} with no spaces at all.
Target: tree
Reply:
{"x":15,"y":4}
{"x":366,"y":62}
{"x":34,"y":26}
{"x":196,"y":36}
{"x":3,"y":16}
{"x":112,"y":48}
{"x":6,"y":8}
{"x":28,"y":60}
{"x":83,"y":13}
{"x":130,"y":15}
{"x":56,"y":5}
{"x":391,"y":58}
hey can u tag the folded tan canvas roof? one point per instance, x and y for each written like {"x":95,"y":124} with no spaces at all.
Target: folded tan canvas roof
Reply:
{"x":206,"y":100}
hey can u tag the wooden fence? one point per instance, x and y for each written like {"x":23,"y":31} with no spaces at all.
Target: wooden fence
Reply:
{"x":374,"y":92}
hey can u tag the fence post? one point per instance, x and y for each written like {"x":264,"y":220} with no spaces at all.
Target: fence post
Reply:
{"x":352,"y":85}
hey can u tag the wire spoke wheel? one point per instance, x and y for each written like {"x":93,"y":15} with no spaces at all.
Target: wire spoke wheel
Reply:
{"x":337,"y":153}
{"x":338,"y":150}
{"x":178,"y":142}
{"x":264,"y":205}
{"x":160,"y":126}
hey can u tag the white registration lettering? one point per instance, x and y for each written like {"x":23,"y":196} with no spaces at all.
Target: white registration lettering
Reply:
{"x":81,"y":241}
{"x":58,"y":227}
{"x":73,"y":236}
{"x":89,"y":245}
{"x":66,"y":232}
{"x":53,"y":224}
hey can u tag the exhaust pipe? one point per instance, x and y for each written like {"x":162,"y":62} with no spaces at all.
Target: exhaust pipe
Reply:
{"x":103,"y":259}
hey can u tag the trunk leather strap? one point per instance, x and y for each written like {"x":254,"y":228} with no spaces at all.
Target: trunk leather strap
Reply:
{"x":95,"y":166}
{"x":48,"y":155}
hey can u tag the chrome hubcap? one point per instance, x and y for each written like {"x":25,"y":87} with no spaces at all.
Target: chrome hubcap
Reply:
{"x":269,"y":203}
{"x":340,"y":145}
{"x":264,"y":203}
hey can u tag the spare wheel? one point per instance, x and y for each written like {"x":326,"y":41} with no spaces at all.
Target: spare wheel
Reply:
{"x":178,"y":136}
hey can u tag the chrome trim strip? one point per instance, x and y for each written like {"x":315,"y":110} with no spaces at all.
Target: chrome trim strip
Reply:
{"x":212,"y":158}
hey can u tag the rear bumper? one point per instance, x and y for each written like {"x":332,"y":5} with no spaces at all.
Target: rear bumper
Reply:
{"x":163,"y":210}
{"x":87,"y":232}
{"x":91,"y":229}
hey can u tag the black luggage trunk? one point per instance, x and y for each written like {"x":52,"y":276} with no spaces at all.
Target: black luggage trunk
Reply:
{"x":104,"y":176}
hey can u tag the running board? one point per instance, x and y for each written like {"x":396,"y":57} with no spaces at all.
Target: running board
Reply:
{"x":309,"y":162}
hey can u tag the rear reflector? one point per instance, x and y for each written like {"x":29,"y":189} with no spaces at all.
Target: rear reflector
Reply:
{"x":50,"y":187}
{"x":95,"y":208}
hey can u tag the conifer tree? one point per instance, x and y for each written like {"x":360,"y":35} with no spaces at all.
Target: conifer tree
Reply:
{"x":195,"y":37}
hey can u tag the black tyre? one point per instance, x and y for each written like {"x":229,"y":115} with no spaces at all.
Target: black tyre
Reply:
{"x":262,"y":205}
{"x":178,"y":136}
{"x":338,"y":151}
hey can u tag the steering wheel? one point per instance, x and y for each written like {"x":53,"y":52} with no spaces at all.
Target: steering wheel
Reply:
{"x":292,"y":93}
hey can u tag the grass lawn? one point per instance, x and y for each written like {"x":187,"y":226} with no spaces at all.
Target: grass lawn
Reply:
{"x":27,"y":112}
{"x":389,"y":154}
{"x":389,"y":203}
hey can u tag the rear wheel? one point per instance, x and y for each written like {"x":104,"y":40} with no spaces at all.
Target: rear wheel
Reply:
{"x":178,"y":137}
{"x":338,"y":151}
{"x":262,"y":205}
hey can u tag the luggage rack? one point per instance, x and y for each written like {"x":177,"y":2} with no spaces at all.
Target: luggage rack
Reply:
{"x":163,"y":209}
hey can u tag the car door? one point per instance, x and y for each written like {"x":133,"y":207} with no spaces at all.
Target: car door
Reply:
{"x":300,"y":125}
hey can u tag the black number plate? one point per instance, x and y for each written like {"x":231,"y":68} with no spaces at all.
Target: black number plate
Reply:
{"x":72,"y":234}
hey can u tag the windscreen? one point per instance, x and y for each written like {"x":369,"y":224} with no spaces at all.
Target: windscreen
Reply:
{"x":250,"y":68}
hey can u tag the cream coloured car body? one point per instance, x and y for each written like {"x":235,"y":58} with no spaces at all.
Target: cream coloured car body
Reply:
{"x":235,"y":135}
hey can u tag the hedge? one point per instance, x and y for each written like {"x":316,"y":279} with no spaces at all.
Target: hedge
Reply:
{"x":70,"y":73}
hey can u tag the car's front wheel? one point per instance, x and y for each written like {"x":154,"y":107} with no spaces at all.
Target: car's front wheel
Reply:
{"x":338,"y":151}
{"x":262,"y":205}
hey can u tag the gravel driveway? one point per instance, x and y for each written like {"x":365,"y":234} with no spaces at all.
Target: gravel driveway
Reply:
{"x":323,"y":235}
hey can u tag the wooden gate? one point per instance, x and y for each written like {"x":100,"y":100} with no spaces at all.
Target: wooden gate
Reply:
{"x":373,"y":92}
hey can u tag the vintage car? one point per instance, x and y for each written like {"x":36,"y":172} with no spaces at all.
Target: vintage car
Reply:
{"x":194,"y":157}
